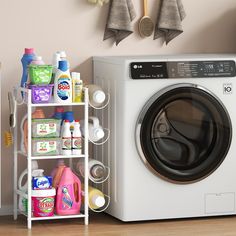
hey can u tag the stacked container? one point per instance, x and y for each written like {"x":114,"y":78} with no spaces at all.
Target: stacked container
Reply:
{"x":43,"y":195}
{"x":46,"y":137}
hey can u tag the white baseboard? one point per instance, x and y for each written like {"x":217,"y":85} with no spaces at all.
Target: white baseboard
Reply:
{"x":6,"y":210}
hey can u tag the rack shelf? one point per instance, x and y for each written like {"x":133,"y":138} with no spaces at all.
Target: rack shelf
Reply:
{"x":51,"y":157}
{"x":56,"y":157}
{"x":57,"y":104}
{"x":57,"y":217}
{"x":54,"y":217}
{"x":28,"y":155}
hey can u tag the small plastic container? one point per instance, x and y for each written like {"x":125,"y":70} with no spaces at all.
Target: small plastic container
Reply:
{"x":43,"y":202}
{"x":46,"y":128}
{"x":41,"y":182}
{"x":40,"y":74}
{"x":46,"y":146}
{"x":41,"y":93}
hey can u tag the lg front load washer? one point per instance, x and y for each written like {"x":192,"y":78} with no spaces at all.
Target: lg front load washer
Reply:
{"x":172,"y":149}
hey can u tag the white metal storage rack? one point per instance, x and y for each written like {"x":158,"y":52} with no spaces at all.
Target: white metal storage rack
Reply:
{"x":29,"y":156}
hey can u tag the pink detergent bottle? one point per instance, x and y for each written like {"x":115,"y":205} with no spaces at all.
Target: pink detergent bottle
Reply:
{"x":68,"y":199}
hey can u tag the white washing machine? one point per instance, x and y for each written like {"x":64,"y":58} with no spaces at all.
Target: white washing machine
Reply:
{"x":172,"y":148}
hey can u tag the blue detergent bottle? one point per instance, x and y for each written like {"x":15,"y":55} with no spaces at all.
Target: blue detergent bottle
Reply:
{"x":26,"y":60}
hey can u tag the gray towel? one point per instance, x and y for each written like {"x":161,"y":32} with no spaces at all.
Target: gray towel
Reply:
{"x":169,"y":21}
{"x":121,"y":13}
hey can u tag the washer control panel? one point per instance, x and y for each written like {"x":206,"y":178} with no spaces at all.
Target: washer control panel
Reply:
{"x":182,"y":69}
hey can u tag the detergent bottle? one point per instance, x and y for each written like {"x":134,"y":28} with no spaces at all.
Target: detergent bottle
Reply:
{"x":62,"y":84}
{"x":96,"y":198}
{"x":63,"y":56}
{"x":23,"y":187}
{"x":57,"y":173}
{"x":76,"y":139}
{"x":77,"y":86}
{"x":66,"y":138}
{"x":37,"y":114}
{"x":60,"y":162}
{"x":95,"y":130}
{"x":55,"y":63}
{"x":96,"y":169}
{"x":59,"y":113}
{"x":26,"y":60}
{"x":68,"y":198}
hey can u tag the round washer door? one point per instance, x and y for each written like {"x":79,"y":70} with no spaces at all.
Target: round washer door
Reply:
{"x":183,"y":133}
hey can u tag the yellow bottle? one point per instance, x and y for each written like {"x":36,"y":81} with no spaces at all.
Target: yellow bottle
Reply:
{"x":77,"y":87}
{"x":96,"y":198}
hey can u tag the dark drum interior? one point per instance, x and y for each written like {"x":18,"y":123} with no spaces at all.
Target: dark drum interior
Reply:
{"x":185,"y":134}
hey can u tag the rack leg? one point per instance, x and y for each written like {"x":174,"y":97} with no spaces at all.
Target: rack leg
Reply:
{"x":29,"y":223}
{"x":29,"y":163}
{"x":15,"y":169}
{"x":15,"y":207}
{"x":86,"y":220}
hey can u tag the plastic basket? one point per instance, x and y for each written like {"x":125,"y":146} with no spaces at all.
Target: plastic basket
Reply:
{"x":40,"y":74}
{"x":41,"y":93}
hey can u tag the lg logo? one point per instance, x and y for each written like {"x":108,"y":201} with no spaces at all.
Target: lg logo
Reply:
{"x":138,"y":66}
{"x":227,"y":88}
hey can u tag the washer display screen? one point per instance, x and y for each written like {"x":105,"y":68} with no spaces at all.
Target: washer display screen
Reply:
{"x":182,"y":69}
{"x":184,"y":134}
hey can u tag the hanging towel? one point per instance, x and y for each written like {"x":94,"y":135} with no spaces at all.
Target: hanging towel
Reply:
{"x":169,"y":20}
{"x":121,"y":13}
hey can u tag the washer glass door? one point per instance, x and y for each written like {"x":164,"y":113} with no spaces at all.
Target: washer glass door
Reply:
{"x":183,"y":133}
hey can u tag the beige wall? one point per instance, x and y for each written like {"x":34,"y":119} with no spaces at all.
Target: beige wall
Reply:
{"x":77,"y":28}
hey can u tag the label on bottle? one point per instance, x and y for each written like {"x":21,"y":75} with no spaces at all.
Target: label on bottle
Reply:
{"x":76,"y":142}
{"x":66,"y":143}
{"x":67,"y":201}
{"x":64,"y":88}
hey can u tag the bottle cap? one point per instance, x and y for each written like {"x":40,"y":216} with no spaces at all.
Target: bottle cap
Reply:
{"x":34,"y":165}
{"x":37,"y":58}
{"x":77,"y":121}
{"x":62,"y":54}
{"x":63,"y":65}
{"x":59,"y":109}
{"x":69,"y":115}
{"x":97,"y":171}
{"x":55,"y":59}
{"x":99,"y":133}
{"x":37,"y":172}
{"x":60,"y":162}
{"x":99,"y":96}
{"x":75,"y":75}
{"x":67,"y":121}
{"x":98,"y":201}
{"x":29,"y":50}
